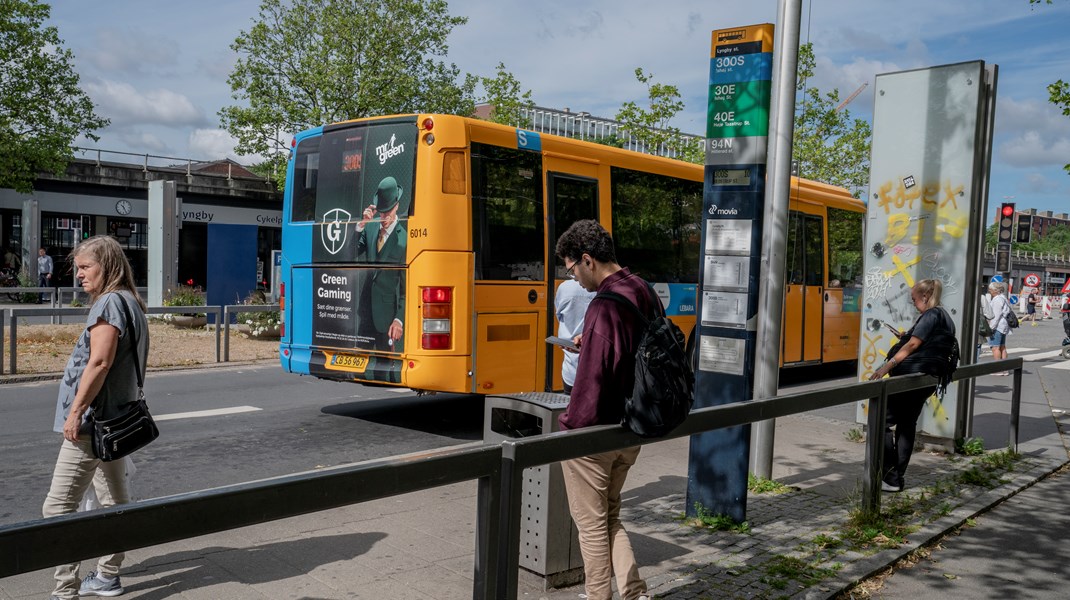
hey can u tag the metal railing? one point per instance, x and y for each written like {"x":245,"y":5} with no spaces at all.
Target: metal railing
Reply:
{"x":152,"y":161}
{"x":1026,"y":255}
{"x":221,"y":313}
{"x":498,"y":469}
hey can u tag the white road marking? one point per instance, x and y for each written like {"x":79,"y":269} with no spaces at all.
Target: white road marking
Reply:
{"x":1065,"y":366}
{"x":214,"y":412}
{"x":1014,"y":350}
{"x":1042,"y":355}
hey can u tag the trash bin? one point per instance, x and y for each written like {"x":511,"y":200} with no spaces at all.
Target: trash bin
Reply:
{"x":549,"y":546}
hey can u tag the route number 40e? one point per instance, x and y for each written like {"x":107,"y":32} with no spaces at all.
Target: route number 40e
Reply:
{"x":725,"y":116}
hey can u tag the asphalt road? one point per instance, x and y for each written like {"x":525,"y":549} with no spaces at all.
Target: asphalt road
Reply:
{"x":260,"y":422}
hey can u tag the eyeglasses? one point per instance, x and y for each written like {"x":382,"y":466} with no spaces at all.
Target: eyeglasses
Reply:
{"x":570,"y":271}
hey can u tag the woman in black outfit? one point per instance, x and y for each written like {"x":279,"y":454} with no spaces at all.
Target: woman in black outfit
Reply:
{"x":924,"y":348}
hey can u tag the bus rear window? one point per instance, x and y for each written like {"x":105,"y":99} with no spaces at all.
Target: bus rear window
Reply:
{"x":306,"y":176}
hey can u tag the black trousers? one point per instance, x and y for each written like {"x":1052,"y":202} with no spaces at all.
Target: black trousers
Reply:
{"x":903,"y":412}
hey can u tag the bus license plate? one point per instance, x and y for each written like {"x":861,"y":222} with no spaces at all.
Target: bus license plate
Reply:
{"x":348,"y":362}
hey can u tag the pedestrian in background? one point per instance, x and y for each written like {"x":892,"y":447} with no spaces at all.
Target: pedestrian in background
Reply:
{"x":570,"y":304}
{"x":44,"y":272}
{"x":928,"y":345}
{"x":100,"y":377}
{"x":1031,"y":308}
{"x":1000,"y":308}
{"x":604,"y":376}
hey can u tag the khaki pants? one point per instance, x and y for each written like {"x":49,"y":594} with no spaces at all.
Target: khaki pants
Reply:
{"x":593,"y":484}
{"x":76,"y":468}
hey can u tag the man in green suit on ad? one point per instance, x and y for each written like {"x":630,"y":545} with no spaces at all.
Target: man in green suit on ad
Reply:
{"x":382,"y":239}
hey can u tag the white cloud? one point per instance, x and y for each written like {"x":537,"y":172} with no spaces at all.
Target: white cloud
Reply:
{"x":142,"y":141}
{"x":1031,"y":134}
{"x":216,"y":144}
{"x":128,"y":51}
{"x":125,"y":105}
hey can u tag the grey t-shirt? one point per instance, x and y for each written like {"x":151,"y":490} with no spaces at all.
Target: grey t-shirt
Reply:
{"x":120,"y":385}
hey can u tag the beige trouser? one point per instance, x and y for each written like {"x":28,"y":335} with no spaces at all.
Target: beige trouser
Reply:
{"x":593,"y":484}
{"x":76,"y":468}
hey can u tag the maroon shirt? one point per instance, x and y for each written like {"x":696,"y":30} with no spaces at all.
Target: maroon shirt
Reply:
{"x":606,"y":369}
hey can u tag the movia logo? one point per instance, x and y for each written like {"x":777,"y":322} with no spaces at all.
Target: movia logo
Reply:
{"x":333,"y":232}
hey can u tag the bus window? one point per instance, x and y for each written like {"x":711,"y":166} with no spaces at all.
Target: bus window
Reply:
{"x":795,"y":263}
{"x":815,"y":251}
{"x":845,"y":247}
{"x":507,"y":213}
{"x":653,"y":224}
{"x":306,"y":175}
{"x":573,"y":199}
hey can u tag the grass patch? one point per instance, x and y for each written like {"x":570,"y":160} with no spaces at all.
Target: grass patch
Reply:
{"x":972,"y":446}
{"x":761,"y":485}
{"x":855,"y":435}
{"x":782,"y":570}
{"x":869,"y":533}
{"x":987,"y":470}
{"x":704,"y":520}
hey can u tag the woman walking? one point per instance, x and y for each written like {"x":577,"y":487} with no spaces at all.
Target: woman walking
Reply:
{"x":100,"y":377}
{"x":1001,"y":307}
{"x":925,"y":348}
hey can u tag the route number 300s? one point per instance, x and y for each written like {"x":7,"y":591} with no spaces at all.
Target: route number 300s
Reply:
{"x":731,"y":61}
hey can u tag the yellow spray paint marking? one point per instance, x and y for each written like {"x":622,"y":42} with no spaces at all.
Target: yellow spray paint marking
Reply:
{"x":901,"y":267}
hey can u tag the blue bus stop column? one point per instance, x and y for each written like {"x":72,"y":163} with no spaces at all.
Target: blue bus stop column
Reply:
{"x":231,"y":263}
{"x":737,"y":132}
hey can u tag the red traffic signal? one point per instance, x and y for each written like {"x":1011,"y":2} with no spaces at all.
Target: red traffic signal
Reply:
{"x":1006,"y":222}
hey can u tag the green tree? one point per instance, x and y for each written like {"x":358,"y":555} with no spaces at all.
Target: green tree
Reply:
{"x":503,"y":92}
{"x":309,"y":62}
{"x":42,"y":108}
{"x":1059,"y":95}
{"x":650,"y":125}
{"x":828,"y":145}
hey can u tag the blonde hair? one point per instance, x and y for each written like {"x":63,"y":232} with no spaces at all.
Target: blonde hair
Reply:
{"x":115,"y":271}
{"x":931,"y":289}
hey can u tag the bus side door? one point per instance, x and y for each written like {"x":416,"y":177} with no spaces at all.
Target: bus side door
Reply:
{"x":572,"y":195}
{"x":804,"y":292}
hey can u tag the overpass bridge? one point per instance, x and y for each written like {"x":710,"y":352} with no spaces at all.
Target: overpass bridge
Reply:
{"x":105,"y":191}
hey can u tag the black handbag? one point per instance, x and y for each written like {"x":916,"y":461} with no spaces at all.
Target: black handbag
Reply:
{"x":133,"y":429}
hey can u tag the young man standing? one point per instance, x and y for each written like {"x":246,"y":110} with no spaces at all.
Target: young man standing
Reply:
{"x":605,"y":374}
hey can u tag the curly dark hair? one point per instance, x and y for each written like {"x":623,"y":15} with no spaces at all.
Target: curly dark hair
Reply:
{"x":586,"y":237}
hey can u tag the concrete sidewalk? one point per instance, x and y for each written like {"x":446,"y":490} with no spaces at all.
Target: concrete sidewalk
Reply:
{"x":420,"y":546}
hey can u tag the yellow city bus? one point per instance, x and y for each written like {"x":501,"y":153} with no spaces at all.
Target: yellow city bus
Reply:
{"x":418,"y":250}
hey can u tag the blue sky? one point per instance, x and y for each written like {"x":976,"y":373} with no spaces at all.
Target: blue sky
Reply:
{"x":158,"y":69}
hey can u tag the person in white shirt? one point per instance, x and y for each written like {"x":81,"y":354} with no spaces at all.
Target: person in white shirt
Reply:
{"x":1000,"y":307}
{"x":570,"y":304}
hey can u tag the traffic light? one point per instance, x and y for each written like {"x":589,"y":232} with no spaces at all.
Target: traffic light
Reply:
{"x":1006,"y":223}
{"x":86,"y":223}
{"x":1003,"y":258}
{"x":1025,"y":229}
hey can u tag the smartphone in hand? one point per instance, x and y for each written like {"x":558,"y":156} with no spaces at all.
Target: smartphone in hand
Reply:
{"x":565,"y":343}
{"x":892,"y":328}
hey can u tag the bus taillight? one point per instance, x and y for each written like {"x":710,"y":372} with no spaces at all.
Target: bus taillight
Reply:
{"x":282,"y":309}
{"x":437,"y":309}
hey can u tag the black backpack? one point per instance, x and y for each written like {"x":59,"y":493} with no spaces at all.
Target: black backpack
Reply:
{"x":664,"y":388}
